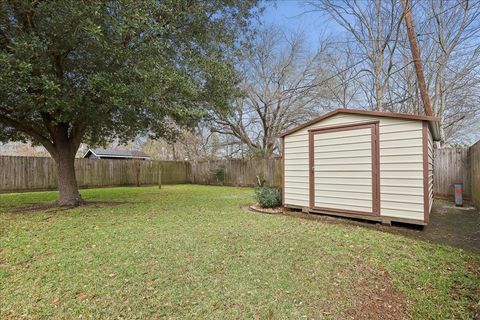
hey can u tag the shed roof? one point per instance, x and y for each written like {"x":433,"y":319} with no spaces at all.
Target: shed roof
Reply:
{"x":116,"y":153}
{"x":434,"y":122}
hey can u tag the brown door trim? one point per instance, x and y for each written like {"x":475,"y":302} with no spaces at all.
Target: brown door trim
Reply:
{"x":374,"y":126}
{"x":311,"y":172}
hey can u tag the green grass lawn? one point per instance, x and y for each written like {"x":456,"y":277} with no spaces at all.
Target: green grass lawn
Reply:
{"x":191,"y":252}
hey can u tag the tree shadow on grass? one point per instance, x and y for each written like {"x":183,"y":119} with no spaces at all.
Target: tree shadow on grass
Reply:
{"x":52,"y":207}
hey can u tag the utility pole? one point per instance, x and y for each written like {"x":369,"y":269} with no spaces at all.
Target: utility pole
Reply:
{"x":427,"y":105}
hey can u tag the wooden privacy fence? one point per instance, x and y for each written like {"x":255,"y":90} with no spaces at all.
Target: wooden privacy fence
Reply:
{"x":458,"y":165}
{"x":451,"y":165}
{"x":237,"y":172}
{"x":32,"y":173}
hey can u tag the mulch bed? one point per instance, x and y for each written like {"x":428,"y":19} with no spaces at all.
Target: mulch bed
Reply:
{"x":257,"y":208}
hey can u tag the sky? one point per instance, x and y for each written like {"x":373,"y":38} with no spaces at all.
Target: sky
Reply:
{"x":293,"y":15}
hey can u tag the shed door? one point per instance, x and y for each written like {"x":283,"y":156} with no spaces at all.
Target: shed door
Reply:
{"x":344,"y":170}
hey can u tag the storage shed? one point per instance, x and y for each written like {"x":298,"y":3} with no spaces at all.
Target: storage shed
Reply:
{"x":362,"y":164}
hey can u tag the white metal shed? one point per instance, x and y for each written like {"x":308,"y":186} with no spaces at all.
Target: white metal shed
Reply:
{"x":362,"y":164}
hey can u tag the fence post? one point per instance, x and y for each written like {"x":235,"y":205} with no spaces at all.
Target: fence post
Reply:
{"x":159,"y":175}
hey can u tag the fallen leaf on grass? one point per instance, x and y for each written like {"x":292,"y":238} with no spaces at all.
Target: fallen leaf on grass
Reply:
{"x":81,"y":296}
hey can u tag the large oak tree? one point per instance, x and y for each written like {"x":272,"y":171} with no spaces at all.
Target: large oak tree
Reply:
{"x":76,"y":71}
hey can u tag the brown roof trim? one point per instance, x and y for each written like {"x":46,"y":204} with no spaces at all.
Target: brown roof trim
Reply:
{"x":362,"y":112}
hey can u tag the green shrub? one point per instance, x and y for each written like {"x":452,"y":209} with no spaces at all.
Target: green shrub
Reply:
{"x":218,"y":174}
{"x":268,"y":197}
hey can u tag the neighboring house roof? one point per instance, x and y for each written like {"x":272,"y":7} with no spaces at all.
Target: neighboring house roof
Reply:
{"x":115,"y":153}
{"x":434,"y":122}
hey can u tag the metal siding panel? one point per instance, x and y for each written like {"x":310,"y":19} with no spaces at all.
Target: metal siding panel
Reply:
{"x":351,"y":153}
{"x":291,"y":184}
{"x":403,"y":143}
{"x":342,"y":143}
{"x":342,"y":175}
{"x":416,"y":208}
{"x":398,"y":184}
{"x":401,"y":172}
{"x":404,"y":190}
{"x":344,"y":149}
{"x":351,"y":205}
{"x":400,"y":166}
{"x":401,"y":159}
{"x":417,"y":183}
{"x":296,"y":161}
{"x":365,"y":182}
{"x":414,"y":174}
{"x":334,"y":138}
{"x":402,"y":213}
{"x":290,"y":144}
{"x":401,"y":134}
{"x":295,"y":166}
{"x":405,"y":198}
{"x":347,"y":193}
{"x":390,"y":150}
{"x":296,"y":171}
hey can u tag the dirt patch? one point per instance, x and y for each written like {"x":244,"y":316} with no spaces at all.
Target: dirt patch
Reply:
{"x":455,"y":226}
{"x":375,"y":296}
{"x":52,"y":207}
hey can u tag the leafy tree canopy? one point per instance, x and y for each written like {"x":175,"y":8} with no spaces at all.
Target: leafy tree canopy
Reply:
{"x":76,"y":71}
{"x":113,"y":69}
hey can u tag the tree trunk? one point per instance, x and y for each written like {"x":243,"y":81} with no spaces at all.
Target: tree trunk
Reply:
{"x":378,"y":91}
{"x":67,"y":182}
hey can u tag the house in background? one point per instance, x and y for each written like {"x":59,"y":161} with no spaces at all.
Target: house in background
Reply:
{"x":115,"y":154}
